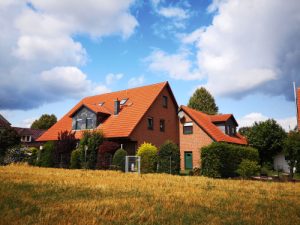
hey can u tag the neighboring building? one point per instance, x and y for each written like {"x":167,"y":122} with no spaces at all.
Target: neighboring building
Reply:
{"x":129,"y":117}
{"x":280,"y":163}
{"x":29,"y":136}
{"x":197,"y":129}
{"x":4,"y":124}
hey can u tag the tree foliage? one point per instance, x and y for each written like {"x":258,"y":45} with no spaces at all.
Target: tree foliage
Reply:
{"x":268,"y":138}
{"x":89,"y":145}
{"x":169,"y":158}
{"x":292,"y":150}
{"x":15,"y":154}
{"x":75,"y":162}
{"x":119,"y":159}
{"x":203,"y":101}
{"x":244,"y":131}
{"x":8,"y":138}
{"x":148,"y":154}
{"x":105,"y":154}
{"x":44,"y":122}
{"x":45,"y":158}
{"x":65,"y":144}
{"x":248,"y":168}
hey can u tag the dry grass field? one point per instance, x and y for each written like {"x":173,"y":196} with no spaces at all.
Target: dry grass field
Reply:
{"x":31,"y":195}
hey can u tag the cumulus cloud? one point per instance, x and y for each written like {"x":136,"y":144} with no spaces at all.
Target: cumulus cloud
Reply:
{"x":251,"y":46}
{"x":39,"y":57}
{"x":136,"y":81}
{"x":177,"y":66}
{"x":173,"y":12}
{"x":288,"y":123}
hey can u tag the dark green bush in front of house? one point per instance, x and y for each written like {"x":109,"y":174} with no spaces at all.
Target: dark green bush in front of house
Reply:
{"x":169,"y":158}
{"x":15,"y":154}
{"x":222,"y":159}
{"x":248,"y":168}
{"x":75,"y":159}
{"x":45,"y":158}
{"x":119,"y":159}
{"x":32,"y":156}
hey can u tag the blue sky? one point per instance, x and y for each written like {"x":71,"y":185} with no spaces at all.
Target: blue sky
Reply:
{"x":246,"y":53}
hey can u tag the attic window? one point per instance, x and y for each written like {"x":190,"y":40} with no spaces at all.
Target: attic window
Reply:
{"x":101,"y":103}
{"x":123,"y":101}
{"x":188,"y":128}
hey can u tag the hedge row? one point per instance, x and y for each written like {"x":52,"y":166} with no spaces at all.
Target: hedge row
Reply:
{"x":223,"y":160}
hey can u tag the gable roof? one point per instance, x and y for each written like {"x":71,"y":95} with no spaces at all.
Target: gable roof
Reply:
{"x":4,"y":122}
{"x":139,"y":101}
{"x":222,"y":118}
{"x":206,"y":123}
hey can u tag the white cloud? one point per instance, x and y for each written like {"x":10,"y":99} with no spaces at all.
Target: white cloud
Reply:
{"x":177,"y":66}
{"x":27,"y":122}
{"x":288,"y":123}
{"x":39,"y":56}
{"x":111,"y":78}
{"x":251,"y":46}
{"x":136,"y":81}
{"x":173,"y":12}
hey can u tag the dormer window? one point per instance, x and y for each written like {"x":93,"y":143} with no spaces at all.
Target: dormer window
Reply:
{"x":80,"y":125}
{"x":89,"y":123}
{"x":123,"y":101}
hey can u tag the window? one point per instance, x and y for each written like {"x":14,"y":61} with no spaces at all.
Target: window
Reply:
{"x":89,"y":123}
{"x":123,"y":101}
{"x":188,"y":128}
{"x":101,"y":103}
{"x":150,"y":123}
{"x":233,"y":130}
{"x":162,"y":125}
{"x":80,"y":125}
{"x":165,"y":101}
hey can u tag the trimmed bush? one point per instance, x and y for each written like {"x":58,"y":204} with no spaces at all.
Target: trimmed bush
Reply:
{"x":75,"y":159}
{"x":14,"y":155}
{"x":46,"y":155}
{"x":248,"y":168}
{"x":222,"y":159}
{"x":105,"y":154}
{"x":169,"y":158}
{"x":148,"y":154}
{"x":119,"y":159}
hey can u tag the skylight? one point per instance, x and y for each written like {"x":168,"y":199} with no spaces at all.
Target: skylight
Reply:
{"x":101,"y":103}
{"x":123,"y":101}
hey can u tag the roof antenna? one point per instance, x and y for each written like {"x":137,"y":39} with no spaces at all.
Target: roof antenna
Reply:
{"x":295,"y":96}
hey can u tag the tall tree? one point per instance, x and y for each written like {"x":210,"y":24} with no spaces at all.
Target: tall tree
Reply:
{"x":44,"y":122}
{"x":268,"y":137}
{"x":292,"y":151}
{"x":203,"y":101}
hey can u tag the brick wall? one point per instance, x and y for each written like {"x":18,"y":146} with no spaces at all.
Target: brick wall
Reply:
{"x":192,"y":142}
{"x":141,"y":133}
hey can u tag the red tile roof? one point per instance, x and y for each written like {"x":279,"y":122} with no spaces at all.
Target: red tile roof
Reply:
{"x":298,"y":108}
{"x":206,"y":123}
{"x":139,"y":101}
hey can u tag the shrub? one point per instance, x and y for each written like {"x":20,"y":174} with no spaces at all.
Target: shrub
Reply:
{"x":8,"y":138}
{"x":119,"y":159}
{"x":222,"y":159}
{"x":32,"y":156}
{"x":169,"y":158}
{"x":105,"y":154}
{"x":75,"y":159}
{"x":195,"y":172}
{"x":91,"y":139}
{"x":64,"y":146}
{"x":14,"y":155}
{"x":148,"y":154}
{"x":46,"y":155}
{"x":248,"y":168}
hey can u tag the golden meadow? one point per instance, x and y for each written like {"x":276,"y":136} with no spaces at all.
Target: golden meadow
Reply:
{"x":32,"y":195}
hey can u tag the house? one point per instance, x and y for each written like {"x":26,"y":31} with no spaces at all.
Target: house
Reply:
{"x":4,"y":124}
{"x":29,"y":136}
{"x":197,"y":129}
{"x":298,"y":109}
{"x":129,"y":117}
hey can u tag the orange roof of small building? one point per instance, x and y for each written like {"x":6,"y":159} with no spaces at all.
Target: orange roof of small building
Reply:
{"x":139,"y":101}
{"x":206,"y":123}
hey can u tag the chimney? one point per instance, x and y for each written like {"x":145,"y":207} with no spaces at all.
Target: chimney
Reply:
{"x":116,"y":107}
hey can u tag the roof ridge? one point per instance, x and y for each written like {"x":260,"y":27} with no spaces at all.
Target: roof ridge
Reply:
{"x":129,"y":89}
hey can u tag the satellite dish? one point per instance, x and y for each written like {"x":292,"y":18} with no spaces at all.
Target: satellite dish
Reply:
{"x":181,"y":115}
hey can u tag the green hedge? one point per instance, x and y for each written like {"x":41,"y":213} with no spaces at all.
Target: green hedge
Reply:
{"x":169,"y":158}
{"x":119,"y":159}
{"x":45,"y":158}
{"x":75,"y":162}
{"x":223,"y":160}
